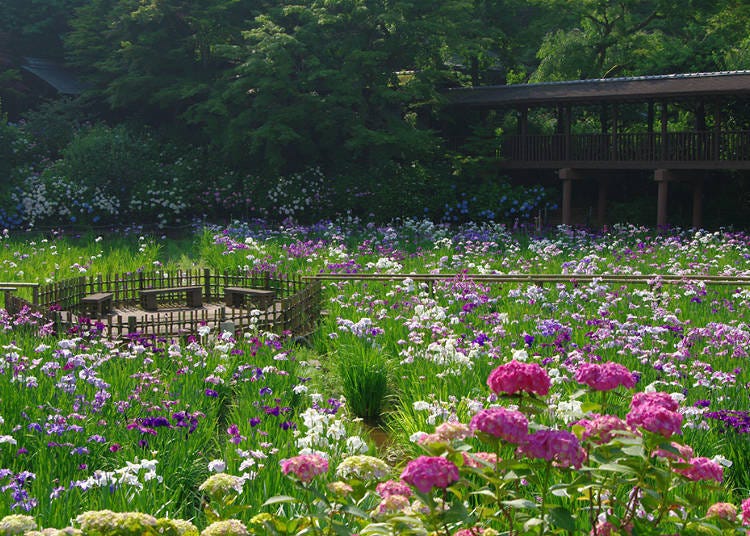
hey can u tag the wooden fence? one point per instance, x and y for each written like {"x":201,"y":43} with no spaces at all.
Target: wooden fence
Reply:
{"x":295,"y":310}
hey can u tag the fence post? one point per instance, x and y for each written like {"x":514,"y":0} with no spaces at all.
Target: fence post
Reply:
{"x":35,"y":295}
{"x":131,"y":324}
{"x":207,"y":283}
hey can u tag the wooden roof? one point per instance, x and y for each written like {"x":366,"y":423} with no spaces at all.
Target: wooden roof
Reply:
{"x":641,"y":88}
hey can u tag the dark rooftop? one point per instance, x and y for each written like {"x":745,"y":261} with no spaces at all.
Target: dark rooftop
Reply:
{"x":638,"y":88}
{"x":55,"y":75}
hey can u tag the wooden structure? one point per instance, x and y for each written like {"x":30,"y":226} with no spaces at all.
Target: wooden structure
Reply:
{"x":294,"y":308}
{"x":193,"y":296}
{"x":239,"y":296}
{"x":97,"y":304}
{"x":655,"y":141}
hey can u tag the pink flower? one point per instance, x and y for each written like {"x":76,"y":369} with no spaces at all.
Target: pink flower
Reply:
{"x":601,"y":428}
{"x":452,"y":430}
{"x":393,"y":487}
{"x":558,"y":446}
{"x":656,"y":398}
{"x":702,"y":469}
{"x":605,"y":377}
{"x":392,"y":504}
{"x":685,"y":452}
{"x":723,"y":510}
{"x":746,"y":512}
{"x":305,"y":466}
{"x":480,"y":460}
{"x":473,"y":531}
{"x":655,"y":412}
{"x":515,"y":377}
{"x":427,"y":472}
{"x":505,"y":424}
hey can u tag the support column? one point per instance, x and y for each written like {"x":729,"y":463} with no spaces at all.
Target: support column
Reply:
{"x":662,"y":178}
{"x":697,"y":203}
{"x":601,"y":205}
{"x":567,"y":175}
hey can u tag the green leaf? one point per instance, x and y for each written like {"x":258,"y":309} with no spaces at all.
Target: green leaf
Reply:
{"x":521,"y":503}
{"x":633,"y":450}
{"x":531,"y":523}
{"x":280,"y":499}
{"x":617,"y":468}
{"x":354,"y":511}
{"x":561,"y":517}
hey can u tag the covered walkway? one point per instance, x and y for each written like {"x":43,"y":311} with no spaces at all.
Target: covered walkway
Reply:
{"x":679,"y":127}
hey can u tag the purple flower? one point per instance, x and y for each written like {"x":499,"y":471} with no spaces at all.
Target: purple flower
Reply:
{"x":254,"y":421}
{"x":211,"y":393}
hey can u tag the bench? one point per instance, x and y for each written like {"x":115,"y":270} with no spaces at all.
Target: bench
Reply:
{"x":236,"y":297}
{"x":194,"y":297}
{"x":96,"y":304}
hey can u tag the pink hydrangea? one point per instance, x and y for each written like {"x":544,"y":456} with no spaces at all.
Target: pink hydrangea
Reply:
{"x":427,"y":472}
{"x":656,"y":398}
{"x":702,"y":469}
{"x":393,"y":487}
{"x":559,"y":446}
{"x":516,"y":377}
{"x":305,"y":467}
{"x":723,"y":510}
{"x":480,"y":460}
{"x":655,"y":412}
{"x":393,"y":504}
{"x":452,"y":430}
{"x":605,"y":376}
{"x":473,"y":531}
{"x":684,"y":452}
{"x":746,"y":512}
{"x":601,"y":428}
{"x":445,"y":433}
{"x":508,"y":425}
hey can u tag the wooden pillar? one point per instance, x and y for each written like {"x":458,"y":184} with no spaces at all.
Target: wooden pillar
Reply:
{"x":664,"y":113}
{"x":717,"y":131}
{"x":601,"y":205}
{"x":650,"y":130}
{"x":567,"y":175}
{"x":662,"y":178}
{"x":697,"y":203}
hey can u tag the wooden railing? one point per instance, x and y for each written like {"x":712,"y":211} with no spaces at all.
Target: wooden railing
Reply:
{"x":295,"y":310}
{"x":705,"y":146}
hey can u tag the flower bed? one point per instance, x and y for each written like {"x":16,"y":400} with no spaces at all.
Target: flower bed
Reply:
{"x":579,"y":406}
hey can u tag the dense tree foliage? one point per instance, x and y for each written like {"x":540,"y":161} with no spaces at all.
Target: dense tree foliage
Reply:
{"x":353,"y":88}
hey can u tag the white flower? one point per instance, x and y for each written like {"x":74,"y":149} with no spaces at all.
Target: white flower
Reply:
{"x":217,"y":466}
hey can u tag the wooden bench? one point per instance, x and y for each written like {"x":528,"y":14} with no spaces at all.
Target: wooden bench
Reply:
{"x":97,"y":304}
{"x":236,"y":297}
{"x":194,"y":297}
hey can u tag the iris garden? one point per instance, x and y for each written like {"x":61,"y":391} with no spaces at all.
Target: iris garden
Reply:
{"x":455,"y":406}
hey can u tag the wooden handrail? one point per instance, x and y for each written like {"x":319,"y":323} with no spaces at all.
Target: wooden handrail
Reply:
{"x":542,"y":278}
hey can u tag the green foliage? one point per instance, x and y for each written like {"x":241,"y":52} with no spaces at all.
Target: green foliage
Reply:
{"x":363,"y":373}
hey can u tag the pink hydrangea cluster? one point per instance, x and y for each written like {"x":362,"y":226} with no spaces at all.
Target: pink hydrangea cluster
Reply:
{"x":601,"y":428}
{"x":605,"y":376}
{"x":655,"y":412}
{"x":559,"y":446}
{"x":684,"y":452}
{"x":702,"y":469}
{"x":516,"y":377}
{"x":480,"y":460}
{"x":723,"y":510}
{"x":445,"y":433}
{"x":393,"y":504}
{"x":393,"y":487}
{"x":746,"y":512}
{"x":305,"y":467}
{"x":508,"y":425}
{"x":472,"y":531}
{"x":606,"y":528}
{"x":427,"y":472}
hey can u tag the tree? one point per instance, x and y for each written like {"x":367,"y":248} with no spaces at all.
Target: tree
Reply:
{"x":153,"y":58}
